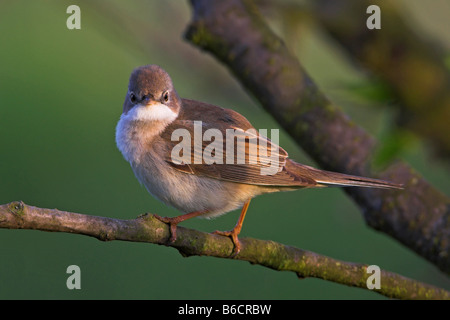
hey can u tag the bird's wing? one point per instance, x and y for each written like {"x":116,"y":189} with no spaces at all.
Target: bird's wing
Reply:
{"x":255,"y":159}
{"x":200,"y":148}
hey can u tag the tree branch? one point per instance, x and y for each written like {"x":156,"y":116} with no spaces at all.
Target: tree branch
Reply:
{"x":235,"y":33}
{"x":413,"y":68}
{"x":146,"y":228}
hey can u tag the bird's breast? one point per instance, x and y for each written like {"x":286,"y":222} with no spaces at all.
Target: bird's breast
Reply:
{"x":142,"y":148}
{"x":187,"y":192}
{"x":134,"y":138}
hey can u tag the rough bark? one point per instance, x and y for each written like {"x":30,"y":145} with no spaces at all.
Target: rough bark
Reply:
{"x":147,"y":228}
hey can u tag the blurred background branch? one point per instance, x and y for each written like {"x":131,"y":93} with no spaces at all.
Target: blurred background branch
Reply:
{"x":146,"y":228}
{"x":408,"y":69}
{"x":236,"y":34}
{"x":412,"y":66}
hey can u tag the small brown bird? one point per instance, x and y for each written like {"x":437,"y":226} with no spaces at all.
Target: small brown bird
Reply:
{"x":205,"y":180}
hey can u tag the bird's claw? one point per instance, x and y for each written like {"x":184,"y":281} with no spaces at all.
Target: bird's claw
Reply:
{"x":172,"y":226}
{"x":233,"y":235}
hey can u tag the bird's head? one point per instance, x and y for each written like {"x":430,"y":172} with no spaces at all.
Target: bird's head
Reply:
{"x":151,"y":95}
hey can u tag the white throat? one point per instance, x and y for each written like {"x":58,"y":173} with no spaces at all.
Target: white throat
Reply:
{"x":154,"y":112}
{"x":132,"y":131}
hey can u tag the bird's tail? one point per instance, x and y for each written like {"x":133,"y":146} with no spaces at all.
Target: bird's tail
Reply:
{"x":327,"y":178}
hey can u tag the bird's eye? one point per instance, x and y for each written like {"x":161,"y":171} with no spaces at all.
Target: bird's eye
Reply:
{"x":132,"y":97}
{"x":165,"y":96}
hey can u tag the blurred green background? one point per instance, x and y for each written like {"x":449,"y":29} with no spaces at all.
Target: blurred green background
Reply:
{"x":61,"y":95}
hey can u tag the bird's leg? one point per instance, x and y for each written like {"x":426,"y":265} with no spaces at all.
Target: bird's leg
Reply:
{"x":233,"y":234}
{"x":173,"y":222}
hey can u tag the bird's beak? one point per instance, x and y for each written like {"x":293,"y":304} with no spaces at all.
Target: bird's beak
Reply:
{"x":148,"y":102}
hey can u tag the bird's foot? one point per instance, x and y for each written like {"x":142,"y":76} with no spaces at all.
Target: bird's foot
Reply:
{"x":172,"y":222}
{"x":233,"y":234}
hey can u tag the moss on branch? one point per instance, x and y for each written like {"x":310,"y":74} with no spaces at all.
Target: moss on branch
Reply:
{"x":273,"y":255}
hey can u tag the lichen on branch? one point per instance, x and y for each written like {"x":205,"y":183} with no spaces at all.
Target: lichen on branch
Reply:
{"x":273,"y":255}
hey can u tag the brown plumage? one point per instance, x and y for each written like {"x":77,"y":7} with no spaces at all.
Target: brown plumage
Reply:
{"x":153,"y":112}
